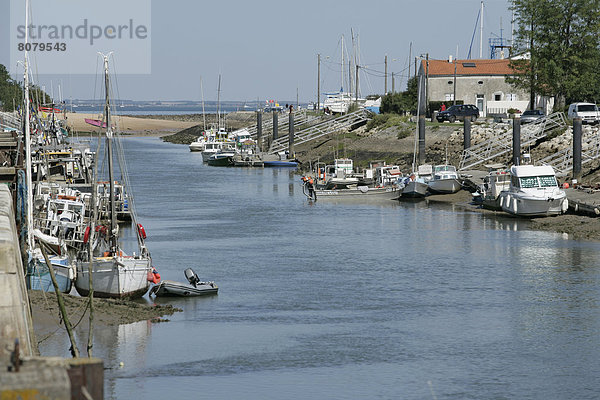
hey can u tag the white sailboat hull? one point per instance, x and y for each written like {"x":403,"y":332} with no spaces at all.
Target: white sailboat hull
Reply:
{"x":114,"y":277}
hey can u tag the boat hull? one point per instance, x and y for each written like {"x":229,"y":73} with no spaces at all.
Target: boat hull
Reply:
{"x":361,"y":192}
{"x":178,"y":289}
{"x":284,"y":164}
{"x":444,"y":186}
{"x":114,"y":277}
{"x":414,"y":189}
{"x":223,"y":161}
{"x":529,"y":206}
{"x":38,"y":275}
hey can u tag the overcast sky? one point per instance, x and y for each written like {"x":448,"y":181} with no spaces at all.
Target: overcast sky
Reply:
{"x":268,"y":50}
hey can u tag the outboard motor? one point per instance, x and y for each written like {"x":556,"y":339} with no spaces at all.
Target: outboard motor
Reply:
{"x":191,"y":276}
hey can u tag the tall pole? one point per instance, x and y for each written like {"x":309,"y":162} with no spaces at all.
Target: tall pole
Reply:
{"x":28,"y":140}
{"x":409,"y":58}
{"x":385,"y":74}
{"x":454,"y":93}
{"x":356,"y":98}
{"x":113,"y":219}
{"x":393,"y":88}
{"x":318,"y":82}
{"x":481,"y":31}
{"x":427,"y":85}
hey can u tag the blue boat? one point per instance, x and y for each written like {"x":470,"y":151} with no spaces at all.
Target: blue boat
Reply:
{"x":281,"y":163}
{"x":38,"y":274}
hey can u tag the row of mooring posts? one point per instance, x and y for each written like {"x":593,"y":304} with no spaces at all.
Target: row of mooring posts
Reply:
{"x":259,"y":130}
{"x":577,"y":144}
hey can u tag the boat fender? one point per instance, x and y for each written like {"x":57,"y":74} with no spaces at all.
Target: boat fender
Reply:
{"x":141,"y":231}
{"x":565,"y":205}
{"x":154,"y":276}
{"x":86,"y":235}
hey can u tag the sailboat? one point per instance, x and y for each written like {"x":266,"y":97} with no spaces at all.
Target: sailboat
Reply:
{"x":415,"y":185}
{"x":114,"y":273}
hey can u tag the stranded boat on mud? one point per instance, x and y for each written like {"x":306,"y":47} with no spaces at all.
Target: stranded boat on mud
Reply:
{"x":533,"y":191}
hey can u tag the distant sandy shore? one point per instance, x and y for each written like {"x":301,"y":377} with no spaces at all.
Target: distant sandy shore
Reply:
{"x":130,"y":125}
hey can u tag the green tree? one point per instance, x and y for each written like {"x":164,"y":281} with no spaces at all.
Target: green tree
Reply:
{"x":11,"y":92}
{"x":562,"y":38}
{"x":401,"y":102}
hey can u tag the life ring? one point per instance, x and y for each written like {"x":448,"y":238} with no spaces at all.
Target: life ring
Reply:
{"x":141,"y":231}
{"x":86,"y":235}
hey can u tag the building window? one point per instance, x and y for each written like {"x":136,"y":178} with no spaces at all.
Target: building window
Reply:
{"x":511,"y":97}
{"x":449,"y":96}
{"x":498,"y":96}
{"x":480,"y":83}
{"x":450,"y":82}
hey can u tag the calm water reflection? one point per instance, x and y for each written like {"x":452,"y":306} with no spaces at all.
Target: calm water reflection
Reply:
{"x":345,"y":301}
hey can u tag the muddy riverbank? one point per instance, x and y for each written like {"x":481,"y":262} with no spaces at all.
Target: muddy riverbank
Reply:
{"x":47,"y":319}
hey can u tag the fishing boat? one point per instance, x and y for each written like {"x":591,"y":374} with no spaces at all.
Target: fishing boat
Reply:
{"x":496,"y":181}
{"x":533,"y":191}
{"x":222,"y":158}
{"x":114,"y":273}
{"x":445,"y":180}
{"x":194,"y":287}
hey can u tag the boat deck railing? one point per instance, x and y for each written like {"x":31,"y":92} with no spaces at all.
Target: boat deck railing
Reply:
{"x":501,"y":143}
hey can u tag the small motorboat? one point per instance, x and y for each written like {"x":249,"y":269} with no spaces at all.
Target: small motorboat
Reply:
{"x":194,"y":288}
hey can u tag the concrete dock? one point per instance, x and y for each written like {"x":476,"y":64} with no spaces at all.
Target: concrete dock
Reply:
{"x":23,"y":374}
{"x":15,"y":316}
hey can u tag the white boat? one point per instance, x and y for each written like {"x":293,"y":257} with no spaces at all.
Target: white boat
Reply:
{"x":194,"y":287}
{"x":533,"y":191}
{"x":496,"y":181}
{"x":445,"y":180}
{"x":114,"y":273}
{"x":198,"y":144}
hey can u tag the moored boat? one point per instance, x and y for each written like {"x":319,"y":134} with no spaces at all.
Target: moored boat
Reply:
{"x":194,"y":287}
{"x":444,"y":180}
{"x":533,"y":191}
{"x":114,"y":273}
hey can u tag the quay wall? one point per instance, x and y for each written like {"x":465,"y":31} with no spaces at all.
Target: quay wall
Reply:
{"x":15,"y":314}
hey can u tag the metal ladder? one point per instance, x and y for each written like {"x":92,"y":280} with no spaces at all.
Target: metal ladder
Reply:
{"x":562,"y":162}
{"x":301,"y":117}
{"x":10,"y":120}
{"x":502,"y":142}
{"x":321,"y":129}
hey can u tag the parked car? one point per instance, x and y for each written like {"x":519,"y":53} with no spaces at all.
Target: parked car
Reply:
{"x":458,"y":112}
{"x":588,"y":112}
{"x":531,"y":116}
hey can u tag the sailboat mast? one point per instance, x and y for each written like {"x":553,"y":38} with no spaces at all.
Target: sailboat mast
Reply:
{"x":219,"y":104}
{"x":28,"y":138}
{"x":342,"y":80}
{"x":203,"y":113}
{"x":109,"y":134}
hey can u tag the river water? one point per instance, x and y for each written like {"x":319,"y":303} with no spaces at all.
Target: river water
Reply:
{"x":345,"y":301}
